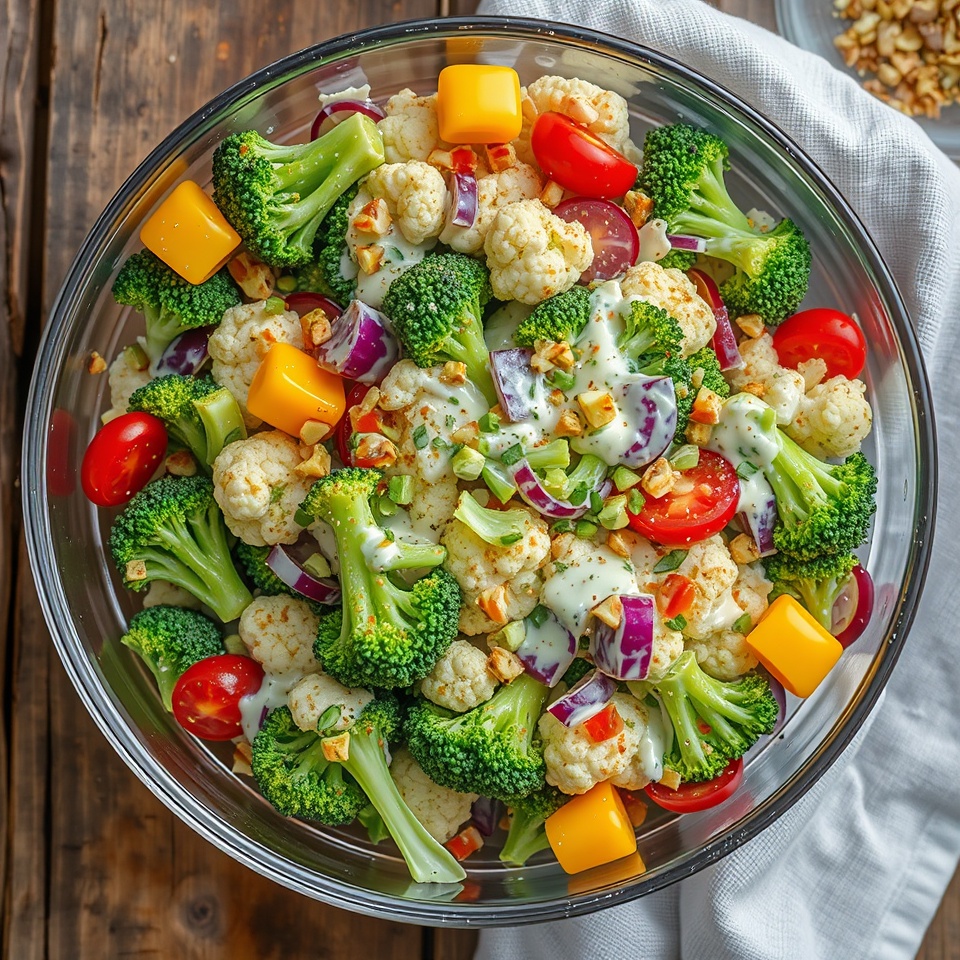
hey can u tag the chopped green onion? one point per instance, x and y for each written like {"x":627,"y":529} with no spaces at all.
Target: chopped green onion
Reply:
{"x":489,"y":423}
{"x":274,"y":305}
{"x":512,"y":455}
{"x":624,"y":479}
{"x":510,"y":637}
{"x":538,"y":615}
{"x":685,"y":457}
{"x":562,"y":379}
{"x":498,"y":480}
{"x":746,"y":469}
{"x":679,"y":622}
{"x":635,"y":500}
{"x":670,"y":561}
{"x":585,"y":529}
{"x":386,"y":506}
{"x":136,"y":357}
{"x":743,"y":623}
{"x":400,"y":489}
{"x":562,"y":526}
{"x":420,"y":438}
{"x":613,"y":514}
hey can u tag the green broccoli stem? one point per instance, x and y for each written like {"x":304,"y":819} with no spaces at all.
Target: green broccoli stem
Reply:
{"x":549,"y":456}
{"x":516,"y":705}
{"x":820,"y":596}
{"x":468,"y":346}
{"x":711,"y":202}
{"x":499,"y":527}
{"x":799,"y":480}
{"x":222,"y":422}
{"x":162,"y":327}
{"x":413,"y":556}
{"x":527,"y":836}
{"x":427,"y":859}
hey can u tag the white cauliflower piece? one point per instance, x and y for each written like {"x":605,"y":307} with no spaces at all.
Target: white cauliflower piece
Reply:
{"x":311,"y":697}
{"x":255,"y":484}
{"x":713,"y":571}
{"x":576,"y":762}
{"x":751,"y":590}
{"x":416,"y":197}
{"x":123,"y":379}
{"x":521,"y":596}
{"x":533,"y":254}
{"x":834,"y":418}
{"x":161,"y":593}
{"x":723,"y":655}
{"x":439,"y":809}
{"x":410,"y":130}
{"x":673,"y":291}
{"x":518,"y":182}
{"x":762,"y":375}
{"x":242,"y":340}
{"x":278,"y":633}
{"x":460,"y":679}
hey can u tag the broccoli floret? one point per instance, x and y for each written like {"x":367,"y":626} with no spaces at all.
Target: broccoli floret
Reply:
{"x":650,"y":334}
{"x":817,"y":584}
{"x":387,"y":634}
{"x":198,"y":413}
{"x":683,"y":173}
{"x":714,"y":722}
{"x":378,"y":726}
{"x":437,"y":311}
{"x":169,"y":640}
{"x":678,"y":260}
{"x":711,"y":377}
{"x":561,"y":317}
{"x":577,"y":670}
{"x":492,"y":750}
{"x":169,"y":303}
{"x":276,"y":195}
{"x":253,"y":562}
{"x":325,"y":274}
{"x":173,"y":530}
{"x":527,"y":834}
{"x":294,"y":775}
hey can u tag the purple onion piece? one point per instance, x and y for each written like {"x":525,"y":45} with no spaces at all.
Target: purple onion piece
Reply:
{"x":465,"y":199}
{"x":361,"y":346}
{"x":338,"y":110}
{"x":725,"y":341}
{"x":585,"y":699}
{"x":318,"y":589}
{"x":485,"y":813}
{"x":533,"y":492}
{"x":186,"y":353}
{"x":654,"y":400}
{"x":759,"y":522}
{"x":547,"y":650}
{"x":681,"y":241}
{"x":625,"y":653}
{"x":513,"y":377}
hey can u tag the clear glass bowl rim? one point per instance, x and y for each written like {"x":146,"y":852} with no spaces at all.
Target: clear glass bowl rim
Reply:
{"x":51,"y":356}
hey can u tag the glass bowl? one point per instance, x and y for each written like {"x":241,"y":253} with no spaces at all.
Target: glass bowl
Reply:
{"x":87,"y":609}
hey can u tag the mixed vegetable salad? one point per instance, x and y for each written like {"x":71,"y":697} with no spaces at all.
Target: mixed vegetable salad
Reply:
{"x":478,"y":472}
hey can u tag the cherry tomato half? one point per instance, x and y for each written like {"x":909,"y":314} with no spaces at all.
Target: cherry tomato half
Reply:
{"x":579,"y":161}
{"x":828,"y":334}
{"x":692,"y":796}
{"x":206,"y":698}
{"x":702,"y":504}
{"x":604,"y":725}
{"x":122,"y":457}
{"x":615,"y":241}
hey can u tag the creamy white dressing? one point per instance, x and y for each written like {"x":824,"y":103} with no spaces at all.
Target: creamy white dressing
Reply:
{"x":653,"y":745}
{"x":272,"y":694}
{"x":722,"y":614}
{"x":499,"y":329}
{"x":654,"y":244}
{"x":378,"y":551}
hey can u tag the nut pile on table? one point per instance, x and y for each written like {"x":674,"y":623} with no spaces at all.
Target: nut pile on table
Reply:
{"x":909,"y":48}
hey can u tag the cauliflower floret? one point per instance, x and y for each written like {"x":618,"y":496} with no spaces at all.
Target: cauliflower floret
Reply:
{"x":416,"y":197}
{"x":241,"y":341}
{"x":312,"y":696}
{"x":834,"y":418}
{"x":762,"y":375}
{"x":576,"y":762}
{"x":713,"y":572}
{"x":161,"y":593}
{"x":440,"y":810}
{"x":751,"y":590}
{"x":410,"y":129}
{"x":495,"y":191}
{"x":460,"y":679}
{"x":533,"y":254}
{"x":123,"y":379}
{"x":258,"y":490}
{"x":279,"y":632}
{"x":521,"y":595}
{"x":673,"y":291}
{"x":723,"y":655}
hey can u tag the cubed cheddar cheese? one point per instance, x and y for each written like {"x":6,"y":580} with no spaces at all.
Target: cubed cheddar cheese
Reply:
{"x":190,"y":234}
{"x":591,"y":829}
{"x":478,"y":103}
{"x":794,"y":646}
{"x":290,"y":388}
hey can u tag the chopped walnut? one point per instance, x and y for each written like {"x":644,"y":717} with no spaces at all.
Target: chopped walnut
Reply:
{"x":454,"y":373}
{"x":316,"y":464}
{"x":751,"y":324}
{"x":569,"y":424}
{"x":618,"y":545}
{"x":707,"y":406}
{"x":135,"y":570}
{"x":181,"y":464}
{"x":254,"y":278}
{"x":698,"y":433}
{"x":743,"y":549}
{"x":313,"y":431}
{"x":242,"y":758}
{"x":551,"y":194}
{"x":95,"y":363}
{"x":370,"y":258}
{"x":609,"y":611}
{"x":377,"y":450}
{"x":468,"y":434}
{"x":504,"y":664}
{"x":659,"y":478}
{"x":336,"y":749}
{"x":374,"y":218}
{"x":316,"y":327}
{"x":493,"y":603}
{"x":548,"y":354}
{"x":639,"y":207}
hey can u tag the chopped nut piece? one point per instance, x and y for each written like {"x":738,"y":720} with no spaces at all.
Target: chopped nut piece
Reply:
{"x":752,"y":325}
{"x":707,"y":406}
{"x":556,"y":397}
{"x":377,"y":450}
{"x":569,"y":424}
{"x":181,"y":464}
{"x":756,"y":387}
{"x":504,"y":664}
{"x":95,"y":363}
{"x":659,"y":478}
{"x":242,"y":759}
{"x":500,"y":156}
{"x":317,"y":464}
{"x":698,"y":433}
{"x":370,"y":258}
{"x":551,"y":194}
{"x":618,"y":545}
{"x":812,"y":371}
{"x":316,"y":327}
{"x":576,"y":108}
{"x":609,"y":611}
{"x":454,"y":373}
{"x":743,"y":549}
{"x":374,"y":218}
{"x":313,"y":431}
{"x":254,"y":278}
{"x":670,"y":779}
{"x":528,"y":108}
{"x":468,"y":434}
{"x":135,"y":570}
{"x":639,"y":207}
{"x":560,"y":544}
{"x":336,"y":749}
{"x":493,"y":603}
{"x":598,"y":407}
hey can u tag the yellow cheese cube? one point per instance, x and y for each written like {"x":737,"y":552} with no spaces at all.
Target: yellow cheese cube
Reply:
{"x":190,"y":234}
{"x":591,"y":829}
{"x":290,"y":388}
{"x":792,"y":644}
{"x":478,"y":103}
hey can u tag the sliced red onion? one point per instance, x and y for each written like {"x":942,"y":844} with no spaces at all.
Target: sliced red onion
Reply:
{"x":724,"y":338}
{"x":338,"y":110}
{"x":306,"y":302}
{"x":547,"y":650}
{"x":651,"y":402}
{"x":760,"y":517}
{"x":485,"y":812}
{"x":625,"y":653}
{"x":613,"y":236}
{"x":465,"y":199}
{"x":861,"y":590}
{"x":361,"y":346}
{"x":186,"y":353}
{"x":318,"y":589}
{"x":533,"y":492}
{"x":680,"y":241}
{"x":513,"y":378}
{"x":585,"y":699}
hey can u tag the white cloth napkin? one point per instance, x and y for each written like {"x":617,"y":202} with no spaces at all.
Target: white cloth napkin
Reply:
{"x":858,"y":866}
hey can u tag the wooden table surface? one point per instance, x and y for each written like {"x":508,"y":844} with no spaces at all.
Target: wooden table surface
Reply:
{"x":93,"y":865}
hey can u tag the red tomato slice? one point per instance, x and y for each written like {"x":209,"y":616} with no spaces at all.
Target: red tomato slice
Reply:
{"x":691,"y":796}
{"x":605,"y":724}
{"x":616,"y":243}
{"x":828,"y":334}
{"x":580,"y":162}
{"x":122,"y":457}
{"x":704,"y":505}
{"x":206,"y":698}
{"x":675,"y":596}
